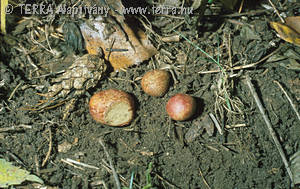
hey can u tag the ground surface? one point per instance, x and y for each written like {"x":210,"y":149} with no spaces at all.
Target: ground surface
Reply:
{"x":243,"y":157}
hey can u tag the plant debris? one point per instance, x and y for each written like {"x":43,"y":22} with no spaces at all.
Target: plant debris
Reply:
{"x":84,"y":73}
{"x":11,"y":175}
{"x":289,"y":31}
{"x":120,"y":50}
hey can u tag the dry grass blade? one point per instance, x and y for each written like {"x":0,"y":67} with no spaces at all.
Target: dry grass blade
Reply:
{"x":216,"y":123}
{"x":205,"y":182}
{"x":295,"y":166}
{"x":4,"y":4}
{"x":111,"y":164}
{"x":244,"y":66}
{"x":269,"y":126}
{"x":49,"y":149}
{"x":289,"y":99}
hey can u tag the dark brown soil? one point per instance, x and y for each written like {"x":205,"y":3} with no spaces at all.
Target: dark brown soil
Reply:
{"x":243,"y":157}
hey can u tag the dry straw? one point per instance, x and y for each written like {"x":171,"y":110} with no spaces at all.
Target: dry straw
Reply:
{"x":4,"y":4}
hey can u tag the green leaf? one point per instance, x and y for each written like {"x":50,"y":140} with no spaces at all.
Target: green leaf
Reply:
{"x":12,"y":175}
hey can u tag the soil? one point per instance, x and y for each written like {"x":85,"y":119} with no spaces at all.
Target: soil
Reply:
{"x":243,"y":156}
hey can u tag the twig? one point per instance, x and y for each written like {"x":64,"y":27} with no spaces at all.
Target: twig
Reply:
{"x":27,"y":56}
{"x":74,"y":163}
{"x":16,"y":158}
{"x":235,"y":126}
{"x":212,"y":148}
{"x":50,"y":148}
{"x":55,"y":35}
{"x":173,"y":38}
{"x":71,"y":161}
{"x":289,"y":99}
{"x":269,"y":126}
{"x":237,"y":22}
{"x":37,"y":165}
{"x":111,"y":165}
{"x":47,"y":37}
{"x":276,"y":11}
{"x":241,"y":6}
{"x":176,"y":26}
{"x":149,"y":27}
{"x":15,"y":128}
{"x":32,"y":38}
{"x":14,"y":91}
